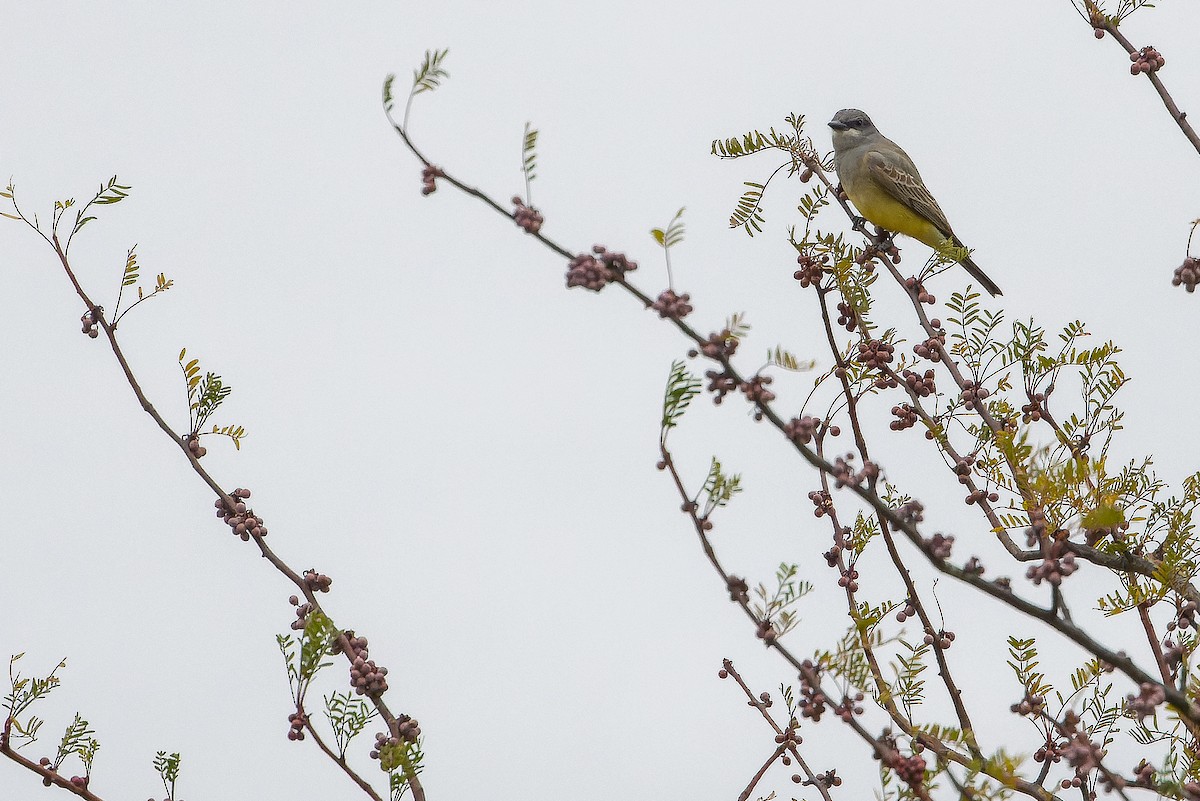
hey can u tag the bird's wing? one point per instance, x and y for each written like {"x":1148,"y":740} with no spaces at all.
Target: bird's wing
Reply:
{"x":907,"y":187}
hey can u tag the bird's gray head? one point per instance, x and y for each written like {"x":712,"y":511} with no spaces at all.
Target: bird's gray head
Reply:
{"x":849,"y":127}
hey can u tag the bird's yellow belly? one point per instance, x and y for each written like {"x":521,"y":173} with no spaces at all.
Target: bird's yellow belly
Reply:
{"x":885,"y":211}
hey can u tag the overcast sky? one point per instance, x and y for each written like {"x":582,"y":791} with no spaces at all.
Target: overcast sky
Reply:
{"x":466,"y":447}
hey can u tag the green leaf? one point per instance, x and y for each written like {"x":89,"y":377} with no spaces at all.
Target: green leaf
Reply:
{"x":1103,"y":517}
{"x":529,"y":153}
{"x":430,"y":74}
{"x":672,"y":235}
{"x":682,"y":387}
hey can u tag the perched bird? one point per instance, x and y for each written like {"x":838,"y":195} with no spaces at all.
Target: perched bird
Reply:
{"x":883,"y":184}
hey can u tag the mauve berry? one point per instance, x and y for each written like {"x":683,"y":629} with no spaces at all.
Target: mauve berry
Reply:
{"x":1146,"y":60}
{"x":428,"y":174}
{"x":874,"y":353}
{"x":595,"y":271}
{"x":812,"y":269}
{"x":916,"y":287}
{"x":801,"y":429}
{"x":527,"y":217}
{"x":1033,"y":411}
{"x":847,"y":316}
{"x":973,"y":396}
{"x":905,"y":417}
{"x":672,"y":306}
{"x":1187,"y":274}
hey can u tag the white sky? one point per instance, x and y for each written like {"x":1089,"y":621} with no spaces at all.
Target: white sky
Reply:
{"x":466,"y":448}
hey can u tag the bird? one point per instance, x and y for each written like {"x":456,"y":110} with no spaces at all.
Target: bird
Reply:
{"x":882,"y":182}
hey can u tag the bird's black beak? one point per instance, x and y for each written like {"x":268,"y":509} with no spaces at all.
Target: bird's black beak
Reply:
{"x":838,"y":125}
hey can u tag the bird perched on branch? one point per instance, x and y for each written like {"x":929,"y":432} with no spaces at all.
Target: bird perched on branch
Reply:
{"x":883,"y":184}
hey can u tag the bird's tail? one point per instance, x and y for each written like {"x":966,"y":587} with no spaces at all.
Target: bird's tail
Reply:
{"x":980,"y":276}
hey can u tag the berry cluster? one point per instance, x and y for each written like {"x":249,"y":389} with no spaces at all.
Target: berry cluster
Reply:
{"x":296,"y":722}
{"x":757,"y":393}
{"x":906,"y":417}
{"x":739,"y":590}
{"x":973,"y":396}
{"x":943,"y":638}
{"x":1150,"y":696}
{"x":962,"y":468}
{"x":940,"y":545}
{"x":911,"y":511}
{"x":241,"y":518}
{"x":867,"y":258}
{"x":921,"y":385}
{"x":192,"y":441}
{"x":92,"y":329}
{"x":766,"y":632}
{"x":717,"y":345}
{"x":875,"y":353}
{"x":918,"y":289}
{"x":848,"y":708}
{"x":910,"y":770}
{"x":302,"y":610}
{"x":408,"y":731}
{"x":849,"y":579}
{"x":1052,"y":569}
{"x":1186,"y":617}
{"x":847,"y":316}
{"x":886,"y":247}
{"x":720,"y":383}
{"x":788,"y":736}
{"x":317,"y":582}
{"x":973,"y":567}
{"x":1187,"y":274}
{"x":812,"y":269}
{"x":80,"y":782}
{"x":931,"y":348}
{"x":527,"y":217}
{"x":595,"y":271}
{"x":1146,"y":60}
{"x":366,"y":677}
{"x":801,"y":429}
{"x":844,"y":474}
{"x":822,"y":501}
{"x":1083,"y":755}
{"x":670,"y":305}
{"x":980,"y":495}
{"x":812,"y":700}
{"x":1032,"y":412}
{"x":1051,"y":751}
{"x":428,"y":176}
{"x":829,"y":778}
{"x":908,"y":611}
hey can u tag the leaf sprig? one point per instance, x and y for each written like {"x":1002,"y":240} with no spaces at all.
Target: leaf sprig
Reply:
{"x":529,"y":160}
{"x":426,"y":78}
